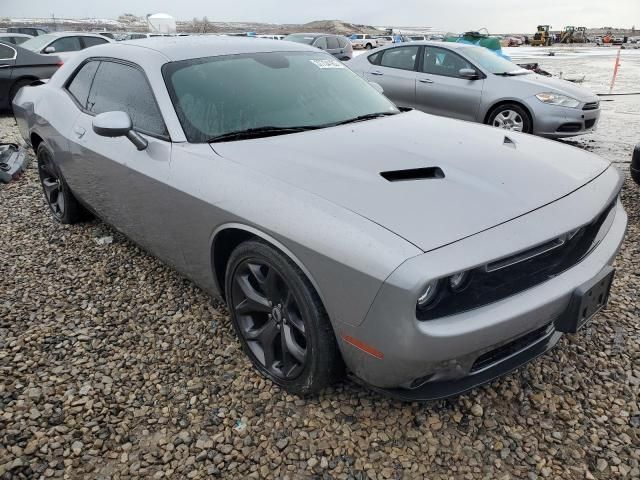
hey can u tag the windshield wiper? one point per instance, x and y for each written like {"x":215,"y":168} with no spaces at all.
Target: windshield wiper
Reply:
{"x":362,"y":118}
{"x":258,"y":132}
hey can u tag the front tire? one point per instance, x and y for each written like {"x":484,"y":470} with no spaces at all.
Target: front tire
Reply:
{"x":280,"y":320}
{"x":511,"y":116}
{"x":368,"y":46}
{"x":61,"y":202}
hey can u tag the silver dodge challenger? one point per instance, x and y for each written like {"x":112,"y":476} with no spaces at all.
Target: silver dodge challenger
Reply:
{"x":424,"y":254}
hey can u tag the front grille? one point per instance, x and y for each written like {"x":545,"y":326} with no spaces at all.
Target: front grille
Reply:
{"x":591,"y":106}
{"x":509,"y":349}
{"x":521,"y":271}
{"x":589,"y":123}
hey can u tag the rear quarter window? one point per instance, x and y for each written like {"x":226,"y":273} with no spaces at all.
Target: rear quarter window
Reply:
{"x":6,"y":52}
{"x":81,"y":82}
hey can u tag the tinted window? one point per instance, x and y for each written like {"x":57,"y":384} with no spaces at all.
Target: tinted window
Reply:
{"x":218,"y":95}
{"x":300,"y":38}
{"x":108,"y":95}
{"x":332,"y":43}
{"x":81,"y":83}
{"x":439,"y":61}
{"x":6,"y":52}
{"x":91,"y":41}
{"x":403,"y":58}
{"x":67,"y":44}
{"x":321,"y":43}
{"x":375,"y":58}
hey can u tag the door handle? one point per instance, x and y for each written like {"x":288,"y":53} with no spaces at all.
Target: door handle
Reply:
{"x":425,"y":80}
{"x":377,"y":73}
{"x":4,"y":66}
{"x":79,"y":131}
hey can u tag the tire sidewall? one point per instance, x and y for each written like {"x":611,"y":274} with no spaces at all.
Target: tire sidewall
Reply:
{"x":527,"y":120}
{"x":260,"y":251}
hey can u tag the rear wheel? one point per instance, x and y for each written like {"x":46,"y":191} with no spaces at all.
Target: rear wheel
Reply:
{"x":63,"y":204}
{"x":512,"y":117}
{"x":279,"y":319}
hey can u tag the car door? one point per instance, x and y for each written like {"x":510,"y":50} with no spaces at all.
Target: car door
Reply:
{"x":124,"y":186}
{"x":442,"y":91}
{"x":321,"y":43}
{"x":395,"y":70}
{"x":333,"y":47}
{"x":7,"y":62}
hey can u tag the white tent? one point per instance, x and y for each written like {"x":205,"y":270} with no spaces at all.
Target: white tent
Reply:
{"x":161,"y":23}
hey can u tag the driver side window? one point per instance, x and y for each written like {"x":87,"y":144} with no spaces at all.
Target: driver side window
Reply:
{"x":107,"y":95}
{"x":439,"y":61}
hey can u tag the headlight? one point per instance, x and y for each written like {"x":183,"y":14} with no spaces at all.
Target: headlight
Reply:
{"x":557,"y":99}
{"x":429,"y":295}
{"x":458,"y":281}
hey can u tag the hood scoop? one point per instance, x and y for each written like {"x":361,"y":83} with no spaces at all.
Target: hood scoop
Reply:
{"x":427,"y":173}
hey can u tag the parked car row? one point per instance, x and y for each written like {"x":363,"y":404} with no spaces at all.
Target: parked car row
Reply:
{"x":246,"y":165}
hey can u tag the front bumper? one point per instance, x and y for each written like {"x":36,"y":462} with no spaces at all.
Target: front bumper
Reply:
{"x":423,"y":360}
{"x":558,"y":122}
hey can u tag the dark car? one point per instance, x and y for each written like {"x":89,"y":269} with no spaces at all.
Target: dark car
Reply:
{"x":14,"y":38}
{"x":20,"y":67}
{"x":337,"y":45}
{"x":635,"y":165}
{"x":33,"y":31}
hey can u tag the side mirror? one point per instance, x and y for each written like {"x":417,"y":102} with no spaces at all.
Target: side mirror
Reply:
{"x":118,"y":124}
{"x":468,"y":73}
{"x":377,"y":86}
{"x":50,"y":49}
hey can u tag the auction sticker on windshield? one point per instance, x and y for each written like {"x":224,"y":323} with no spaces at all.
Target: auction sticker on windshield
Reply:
{"x":327,"y":64}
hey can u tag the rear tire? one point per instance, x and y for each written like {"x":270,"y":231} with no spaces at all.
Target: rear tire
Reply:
{"x":280,"y":320}
{"x":511,"y":116}
{"x":64,"y":206}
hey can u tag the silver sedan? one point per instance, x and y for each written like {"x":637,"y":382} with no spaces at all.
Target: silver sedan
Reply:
{"x":424,"y":254}
{"x":473,"y":83}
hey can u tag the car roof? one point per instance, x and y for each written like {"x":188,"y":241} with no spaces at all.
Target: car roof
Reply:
{"x":10,"y":34}
{"x":184,"y":48}
{"x":318,"y":34}
{"x":75,"y":34}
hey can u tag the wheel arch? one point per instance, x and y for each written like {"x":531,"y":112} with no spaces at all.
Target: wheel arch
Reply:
{"x":514,"y":101}
{"x":36,"y":140}
{"x":228,"y":236}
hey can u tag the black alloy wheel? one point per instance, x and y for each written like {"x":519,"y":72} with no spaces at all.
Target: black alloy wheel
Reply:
{"x":62,"y":203}
{"x":269,"y":319}
{"x":280,"y":320}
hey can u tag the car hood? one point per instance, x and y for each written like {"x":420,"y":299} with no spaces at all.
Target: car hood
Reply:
{"x":490,"y":175}
{"x":540,"y":83}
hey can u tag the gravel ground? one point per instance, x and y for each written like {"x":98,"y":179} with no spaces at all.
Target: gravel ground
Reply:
{"x":113,"y":366}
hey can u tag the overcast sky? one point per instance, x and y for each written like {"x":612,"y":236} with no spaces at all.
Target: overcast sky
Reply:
{"x":458,"y":15}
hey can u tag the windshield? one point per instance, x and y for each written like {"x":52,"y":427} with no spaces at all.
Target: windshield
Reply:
{"x":215,"y":96}
{"x":36,"y":44}
{"x":492,"y":62}
{"x":308,"y":39}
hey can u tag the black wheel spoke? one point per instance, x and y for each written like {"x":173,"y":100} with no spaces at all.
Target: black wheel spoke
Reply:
{"x":290,"y":345}
{"x":269,"y":318}
{"x":51,"y":185}
{"x":253,"y":301}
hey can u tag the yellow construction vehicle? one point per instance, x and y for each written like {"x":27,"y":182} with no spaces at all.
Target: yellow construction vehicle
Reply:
{"x":573,"y":34}
{"x":542,"y":38}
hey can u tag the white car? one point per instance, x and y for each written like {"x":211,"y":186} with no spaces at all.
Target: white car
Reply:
{"x":366,"y":41}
